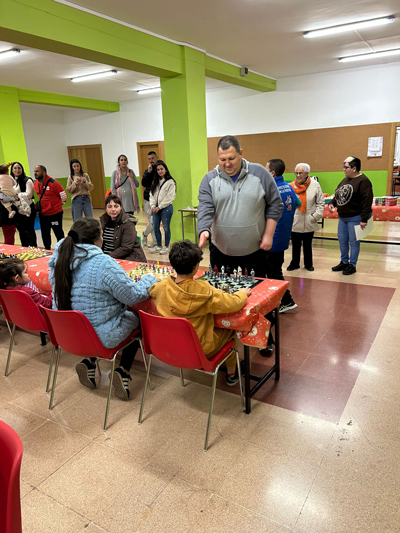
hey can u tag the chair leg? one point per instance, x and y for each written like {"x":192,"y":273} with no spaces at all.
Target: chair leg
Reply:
{"x":182,"y":380}
{"x":144,"y":361}
{"x":50,"y":368}
{"x":240,"y":378}
{"x":211,"y":407}
{"x":109,"y":394}
{"x":53,"y":387}
{"x":12,"y":333}
{"x":98,"y":368}
{"x":144,"y":391}
{"x":9,"y":329}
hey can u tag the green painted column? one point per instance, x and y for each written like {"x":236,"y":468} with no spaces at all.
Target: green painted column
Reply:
{"x":12,"y":139}
{"x":185,"y":134}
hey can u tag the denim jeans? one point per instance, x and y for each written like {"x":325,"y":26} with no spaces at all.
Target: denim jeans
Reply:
{"x":347,"y":239}
{"x":164,"y":216}
{"x":81,"y":203}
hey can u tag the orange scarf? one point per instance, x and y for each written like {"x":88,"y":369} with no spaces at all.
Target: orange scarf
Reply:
{"x":301,"y":191}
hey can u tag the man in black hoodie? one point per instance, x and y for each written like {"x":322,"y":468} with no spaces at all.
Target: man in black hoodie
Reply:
{"x":147,"y":180}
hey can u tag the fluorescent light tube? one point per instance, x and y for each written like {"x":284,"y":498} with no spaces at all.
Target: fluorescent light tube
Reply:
{"x":9,"y":53}
{"x":348,"y":27}
{"x":149,"y":90}
{"x":372,"y":55}
{"x":94,"y":76}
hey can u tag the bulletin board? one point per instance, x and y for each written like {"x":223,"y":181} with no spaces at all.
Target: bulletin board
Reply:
{"x":323,"y":149}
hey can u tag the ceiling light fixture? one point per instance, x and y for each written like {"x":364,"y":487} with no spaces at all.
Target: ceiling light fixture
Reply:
{"x":149,"y":90}
{"x":9,"y":53}
{"x":371,"y":55}
{"x":348,"y":27}
{"x":94,"y":76}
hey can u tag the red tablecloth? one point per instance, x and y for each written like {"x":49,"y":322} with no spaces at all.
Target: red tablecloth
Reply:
{"x":249,"y":322}
{"x":379,"y":212}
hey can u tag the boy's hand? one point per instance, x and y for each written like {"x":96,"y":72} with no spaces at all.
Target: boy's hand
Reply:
{"x":246,"y":290}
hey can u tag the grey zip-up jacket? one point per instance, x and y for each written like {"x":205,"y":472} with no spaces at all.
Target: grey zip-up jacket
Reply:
{"x":235,"y":213}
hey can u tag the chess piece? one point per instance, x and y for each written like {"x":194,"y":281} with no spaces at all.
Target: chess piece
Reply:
{"x":209,"y":269}
{"x":246,"y":272}
{"x":235,"y":274}
{"x":239,"y":271}
{"x":223,"y":270}
{"x":216,"y":269}
{"x":252,"y":273}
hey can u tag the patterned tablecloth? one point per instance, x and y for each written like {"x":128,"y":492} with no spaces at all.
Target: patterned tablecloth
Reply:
{"x":251,"y":325}
{"x":379,"y":212}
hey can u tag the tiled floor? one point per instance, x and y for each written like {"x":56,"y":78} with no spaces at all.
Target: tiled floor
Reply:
{"x":319,"y":453}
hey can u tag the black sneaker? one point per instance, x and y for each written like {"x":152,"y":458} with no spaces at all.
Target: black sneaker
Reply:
{"x":350,"y":269}
{"x":341,"y":266}
{"x":86,"y":371}
{"x":288,"y":307}
{"x":232,"y":380}
{"x":120,"y":383}
{"x":310,"y":268}
{"x":292,"y":267}
{"x":266,"y":352}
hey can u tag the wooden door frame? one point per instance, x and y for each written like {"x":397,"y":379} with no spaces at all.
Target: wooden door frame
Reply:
{"x":160,"y":153}
{"x":389,"y":182}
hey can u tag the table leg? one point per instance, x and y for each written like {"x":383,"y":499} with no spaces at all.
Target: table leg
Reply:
{"x":183,"y":231}
{"x":195,"y":228}
{"x":247,"y":391}
{"x":277,"y":344}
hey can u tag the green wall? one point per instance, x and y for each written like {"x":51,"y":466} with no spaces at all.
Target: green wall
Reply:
{"x":330,"y":180}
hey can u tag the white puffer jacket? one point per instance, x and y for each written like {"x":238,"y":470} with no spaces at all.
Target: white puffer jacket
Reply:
{"x":308,"y":221}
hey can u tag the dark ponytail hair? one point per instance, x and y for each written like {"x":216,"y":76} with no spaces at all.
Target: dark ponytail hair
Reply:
{"x":84,"y":231}
{"x":9,"y":268}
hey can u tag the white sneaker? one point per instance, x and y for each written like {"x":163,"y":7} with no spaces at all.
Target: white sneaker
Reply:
{"x":156,"y":250}
{"x":152,"y":244}
{"x":164,"y":250}
{"x":144,"y":239}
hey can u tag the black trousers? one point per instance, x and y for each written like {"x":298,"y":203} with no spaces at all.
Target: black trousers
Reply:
{"x":274,"y":271}
{"x":256,"y":261}
{"x":127,"y":356}
{"x":51,"y":222}
{"x":306,"y":240}
{"x":26,"y":228}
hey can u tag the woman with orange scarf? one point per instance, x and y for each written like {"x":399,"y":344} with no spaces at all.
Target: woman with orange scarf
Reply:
{"x":306,"y":217}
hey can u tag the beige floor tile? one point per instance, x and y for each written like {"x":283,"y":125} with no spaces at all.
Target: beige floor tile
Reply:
{"x":21,"y":379}
{"x":220,"y":516}
{"x":270,"y":485}
{"x":178,"y":509}
{"x":295,"y":435}
{"x":128,"y":510}
{"x":337,"y":504}
{"x":46,"y":449}
{"x":92,"y":479}
{"x":21,"y":420}
{"x":42,"y":514}
{"x":25,"y":488}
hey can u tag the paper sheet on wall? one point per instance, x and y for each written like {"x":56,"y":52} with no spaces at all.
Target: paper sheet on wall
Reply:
{"x":362,"y":233}
{"x":375,"y":146}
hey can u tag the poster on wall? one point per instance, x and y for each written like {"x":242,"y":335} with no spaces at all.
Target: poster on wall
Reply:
{"x":375,"y":146}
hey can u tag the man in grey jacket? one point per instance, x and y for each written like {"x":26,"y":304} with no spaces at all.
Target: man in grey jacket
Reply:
{"x":239,"y":207}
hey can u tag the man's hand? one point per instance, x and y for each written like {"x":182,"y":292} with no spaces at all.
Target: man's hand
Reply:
{"x":204,"y":235}
{"x":266,"y":242}
{"x":246,"y":290}
{"x":63,"y":196}
{"x":331,"y":208}
{"x":149,"y":168}
{"x":363,"y":224}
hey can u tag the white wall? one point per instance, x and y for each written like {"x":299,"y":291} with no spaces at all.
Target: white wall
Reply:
{"x":349,"y":97}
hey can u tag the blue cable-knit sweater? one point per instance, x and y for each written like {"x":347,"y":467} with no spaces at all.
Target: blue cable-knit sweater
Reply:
{"x":102,"y":290}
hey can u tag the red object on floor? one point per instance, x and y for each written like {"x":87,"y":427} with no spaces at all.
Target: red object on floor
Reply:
{"x":10,"y":465}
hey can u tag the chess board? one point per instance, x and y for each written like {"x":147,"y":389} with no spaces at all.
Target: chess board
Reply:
{"x":159,"y":272}
{"x":26,"y":255}
{"x":229,"y":283}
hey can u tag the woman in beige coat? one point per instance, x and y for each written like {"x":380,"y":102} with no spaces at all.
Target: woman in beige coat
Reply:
{"x":306,"y":216}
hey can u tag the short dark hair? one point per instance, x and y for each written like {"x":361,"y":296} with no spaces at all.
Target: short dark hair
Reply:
{"x":278,"y":166}
{"x":43,"y":168}
{"x":3,"y":169}
{"x":227,"y":141}
{"x":184,"y":256}
{"x":355,"y":163}
{"x":152,"y":152}
{"x":113,"y":198}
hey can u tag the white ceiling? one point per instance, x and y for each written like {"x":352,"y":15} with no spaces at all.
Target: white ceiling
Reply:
{"x":265,"y":35}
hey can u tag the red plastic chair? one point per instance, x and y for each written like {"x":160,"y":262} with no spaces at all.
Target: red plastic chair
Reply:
{"x":174,"y":341}
{"x":71,"y":331}
{"x":21,"y":310}
{"x":10,"y":466}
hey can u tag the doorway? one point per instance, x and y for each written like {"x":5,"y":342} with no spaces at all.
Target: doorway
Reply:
{"x":91,"y":158}
{"x":143,"y":149}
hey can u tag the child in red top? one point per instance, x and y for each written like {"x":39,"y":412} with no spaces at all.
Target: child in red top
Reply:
{"x":14,"y":275}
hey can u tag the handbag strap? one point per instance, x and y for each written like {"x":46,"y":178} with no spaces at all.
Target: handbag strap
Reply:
{"x":44,"y":189}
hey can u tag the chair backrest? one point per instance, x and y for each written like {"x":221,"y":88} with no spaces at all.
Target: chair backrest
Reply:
{"x":173,"y":340}
{"x":73,"y":332}
{"x":10,"y":466}
{"x":20,"y":309}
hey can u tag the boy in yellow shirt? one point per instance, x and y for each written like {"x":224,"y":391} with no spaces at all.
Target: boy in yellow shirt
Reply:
{"x":198,"y":302}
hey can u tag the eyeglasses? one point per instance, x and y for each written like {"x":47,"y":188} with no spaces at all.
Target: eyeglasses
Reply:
{"x":345,"y":168}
